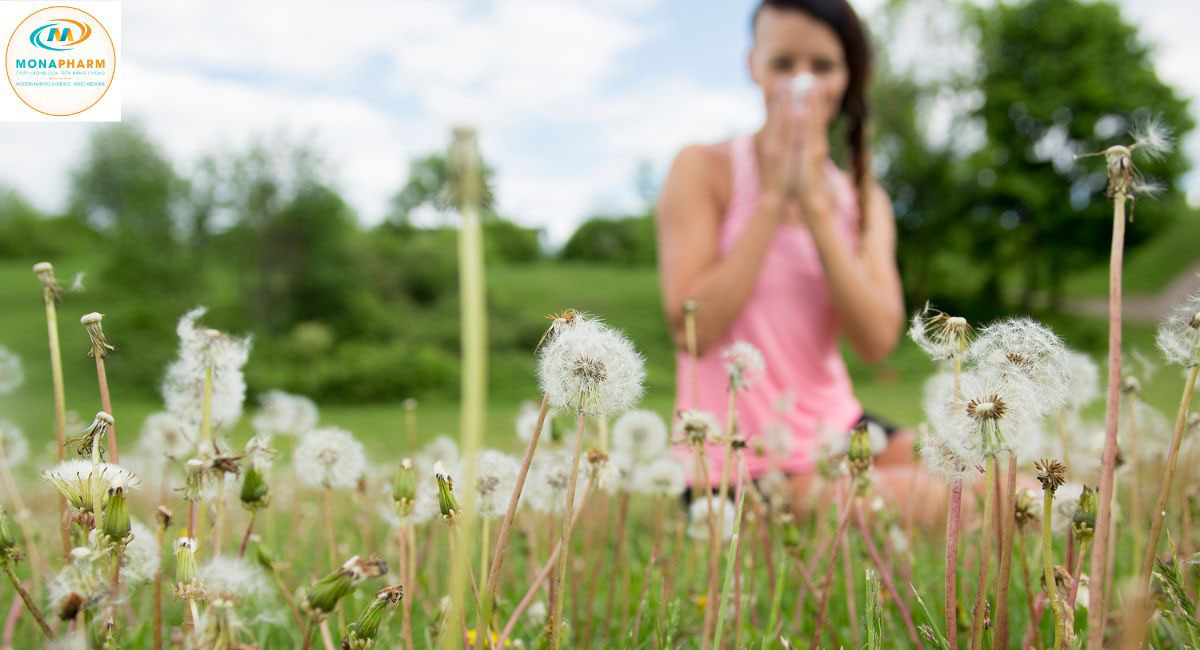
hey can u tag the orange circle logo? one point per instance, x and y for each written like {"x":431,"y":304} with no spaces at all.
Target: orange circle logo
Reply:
{"x":60,"y":61}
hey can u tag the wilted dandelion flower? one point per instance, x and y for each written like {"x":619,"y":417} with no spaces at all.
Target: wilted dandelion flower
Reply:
{"x":527,"y":420}
{"x":231,"y":578}
{"x":329,"y":457}
{"x":11,"y":374}
{"x":640,"y":434}
{"x":164,"y":436}
{"x":698,"y":427}
{"x":423,"y":508}
{"x":590,"y":368}
{"x":940,"y":335}
{"x":1179,"y":334}
{"x":74,"y":480}
{"x":1019,"y":349}
{"x":199,"y":350}
{"x":285,"y":414}
{"x":662,"y":478}
{"x":447,"y":501}
{"x":81,"y":585}
{"x":698,"y":518}
{"x":744,"y":363}
{"x":496,"y":476}
{"x":546,"y":486}
{"x":16,"y":448}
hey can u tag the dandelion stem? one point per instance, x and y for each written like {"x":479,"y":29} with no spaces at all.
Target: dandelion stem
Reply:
{"x":885,"y":573}
{"x":1164,"y":489}
{"x":827,"y":585}
{"x":410,"y":582}
{"x":731,"y":557}
{"x":709,"y":614}
{"x":36,"y":561}
{"x":156,"y":629}
{"x":953,"y":518}
{"x":327,"y":502}
{"x":689,"y":328}
{"x":307,"y":634}
{"x":50,"y":298}
{"x":106,"y":403}
{"x":1076,"y":576}
{"x":246,"y":537}
{"x":1008,"y":521}
{"x":985,"y":548}
{"x":493,"y":575}
{"x":1100,"y":543}
{"x":555,"y":625}
{"x":714,"y":543}
{"x":1048,"y":566}
{"x":1029,"y":590}
{"x":33,"y":609}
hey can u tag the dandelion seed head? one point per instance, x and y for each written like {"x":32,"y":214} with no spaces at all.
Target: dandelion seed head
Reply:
{"x":1153,"y":138}
{"x":232,"y":578}
{"x":285,"y":414}
{"x":1084,"y":385}
{"x":16,"y":447}
{"x":74,"y":480}
{"x":81,"y":585}
{"x":183,"y":385}
{"x":11,"y":373}
{"x":546,"y":485}
{"x":663,"y":477}
{"x":641,"y":434}
{"x":164,"y":436}
{"x":329,"y":457}
{"x":1016,"y":350}
{"x":142,"y":557}
{"x":1178,"y":335}
{"x":698,"y":513}
{"x":697,"y":426}
{"x":744,"y":364}
{"x":591,"y":368}
{"x":527,"y":419}
{"x":940,"y":335}
{"x":496,"y":476}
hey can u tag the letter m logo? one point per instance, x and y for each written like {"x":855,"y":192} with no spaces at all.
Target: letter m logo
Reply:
{"x":62,"y":35}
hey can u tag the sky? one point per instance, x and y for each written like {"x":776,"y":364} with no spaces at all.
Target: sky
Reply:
{"x":568,"y":96}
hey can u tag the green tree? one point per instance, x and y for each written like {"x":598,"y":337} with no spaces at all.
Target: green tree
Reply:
{"x":1060,"y":77}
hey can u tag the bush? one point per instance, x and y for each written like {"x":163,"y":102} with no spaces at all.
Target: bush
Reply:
{"x":627,"y":240}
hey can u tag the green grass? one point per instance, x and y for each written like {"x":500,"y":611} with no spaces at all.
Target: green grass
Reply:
{"x":1149,"y":267}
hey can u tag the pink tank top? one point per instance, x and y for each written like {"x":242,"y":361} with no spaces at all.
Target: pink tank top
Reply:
{"x":790,"y":317}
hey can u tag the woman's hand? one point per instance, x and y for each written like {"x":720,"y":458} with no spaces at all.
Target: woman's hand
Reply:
{"x":815,"y":200}
{"x":779,"y":150}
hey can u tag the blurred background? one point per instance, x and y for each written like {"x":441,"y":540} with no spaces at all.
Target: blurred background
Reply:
{"x":283,"y":165}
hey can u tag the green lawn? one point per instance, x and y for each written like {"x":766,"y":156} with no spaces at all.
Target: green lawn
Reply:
{"x":626,"y":297}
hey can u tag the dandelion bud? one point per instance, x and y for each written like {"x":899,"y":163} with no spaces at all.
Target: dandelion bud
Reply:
{"x":1084,"y":521}
{"x":446,"y":501}
{"x":185,"y":562}
{"x":325,"y":593}
{"x":116,"y":515}
{"x":361,"y":633}
{"x":255,"y":491}
{"x":859,"y":455}
{"x":8,"y":543}
{"x":793,"y":541}
{"x":100,"y":345}
{"x":404,"y":488}
{"x":266,"y":558}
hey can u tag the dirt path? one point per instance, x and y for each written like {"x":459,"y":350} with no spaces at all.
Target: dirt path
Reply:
{"x":1147,"y":309}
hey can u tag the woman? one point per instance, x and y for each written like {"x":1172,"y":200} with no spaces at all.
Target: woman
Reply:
{"x":779,"y":247}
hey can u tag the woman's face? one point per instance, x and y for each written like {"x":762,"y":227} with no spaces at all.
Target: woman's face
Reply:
{"x":787,"y":43}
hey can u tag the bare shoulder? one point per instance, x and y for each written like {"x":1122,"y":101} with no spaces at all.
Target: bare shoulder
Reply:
{"x":701,"y":169}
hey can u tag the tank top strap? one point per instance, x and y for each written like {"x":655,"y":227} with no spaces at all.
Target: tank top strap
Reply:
{"x":744,"y":188}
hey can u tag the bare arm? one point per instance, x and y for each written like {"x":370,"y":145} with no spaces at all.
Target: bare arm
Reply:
{"x":690,"y":267}
{"x":865,"y":283}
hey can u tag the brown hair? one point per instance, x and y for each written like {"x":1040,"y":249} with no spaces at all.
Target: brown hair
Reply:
{"x":840,"y":17}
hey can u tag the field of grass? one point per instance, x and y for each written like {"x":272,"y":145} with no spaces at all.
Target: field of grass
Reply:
{"x":636,"y":579}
